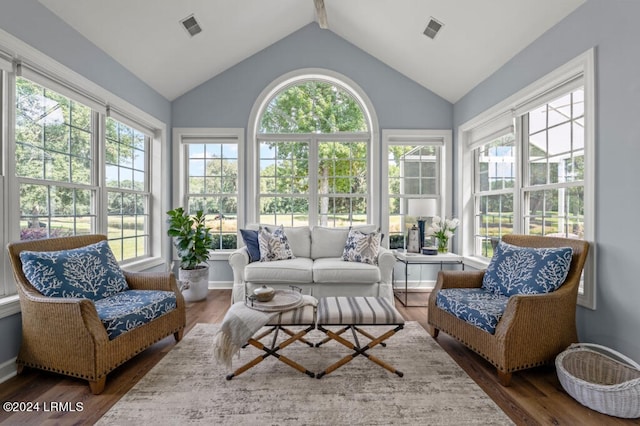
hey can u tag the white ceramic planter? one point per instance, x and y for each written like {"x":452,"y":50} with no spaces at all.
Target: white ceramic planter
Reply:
{"x":195,"y":283}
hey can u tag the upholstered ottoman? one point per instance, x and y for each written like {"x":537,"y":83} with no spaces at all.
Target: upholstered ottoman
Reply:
{"x":350,"y":313}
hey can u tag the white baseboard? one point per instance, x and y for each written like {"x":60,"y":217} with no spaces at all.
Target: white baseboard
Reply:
{"x":220,"y":285}
{"x":415,"y":286}
{"x":7,"y":370}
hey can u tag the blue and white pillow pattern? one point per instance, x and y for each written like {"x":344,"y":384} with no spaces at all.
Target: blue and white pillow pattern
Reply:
{"x":525,"y":270}
{"x":274,"y":246}
{"x":475,"y":306}
{"x":362,"y":247}
{"x":129,"y":309}
{"x":90,"y":272}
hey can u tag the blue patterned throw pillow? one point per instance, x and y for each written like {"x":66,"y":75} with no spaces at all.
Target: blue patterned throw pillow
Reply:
{"x":274,"y":246}
{"x":362,"y":247}
{"x":525,"y":270}
{"x":89,"y":272}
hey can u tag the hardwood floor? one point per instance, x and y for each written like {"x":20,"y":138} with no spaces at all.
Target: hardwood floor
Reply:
{"x":534,"y":398}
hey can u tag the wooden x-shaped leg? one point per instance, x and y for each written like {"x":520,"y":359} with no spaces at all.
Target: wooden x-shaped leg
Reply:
{"x":357,"y":349}
{"x":273,"y":350}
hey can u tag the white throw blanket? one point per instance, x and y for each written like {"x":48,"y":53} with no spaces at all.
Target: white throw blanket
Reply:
{"x":239,"y":324}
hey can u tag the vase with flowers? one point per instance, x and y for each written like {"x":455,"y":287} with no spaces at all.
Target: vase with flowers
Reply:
{"x":442,"y":229}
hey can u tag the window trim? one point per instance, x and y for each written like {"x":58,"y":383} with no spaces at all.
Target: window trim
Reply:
{"x":13,"y":51}
{"x":206,"y":134}
{"x":292,"y":78}
{"x":583,"y":65}
{"x":442,"y":138}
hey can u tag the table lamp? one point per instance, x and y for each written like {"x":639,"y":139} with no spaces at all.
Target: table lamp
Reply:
{"x":422,"y":208}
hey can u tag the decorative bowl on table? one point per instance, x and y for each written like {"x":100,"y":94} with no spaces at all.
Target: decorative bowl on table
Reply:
{"x":264,"y":293}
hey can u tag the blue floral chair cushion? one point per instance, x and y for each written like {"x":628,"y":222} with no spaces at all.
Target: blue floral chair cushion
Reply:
{"x":90,"y":272}
{"x":475,"y":306}
{"x":362,"y":247}
{"x":525,"y":270}
{"x":129,"y":309}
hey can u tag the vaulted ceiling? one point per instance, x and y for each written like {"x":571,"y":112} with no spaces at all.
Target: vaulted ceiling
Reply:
{"x":477,"y":36}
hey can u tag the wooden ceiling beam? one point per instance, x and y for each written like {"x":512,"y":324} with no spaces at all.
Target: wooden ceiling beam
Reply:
{"x":321,"y":14}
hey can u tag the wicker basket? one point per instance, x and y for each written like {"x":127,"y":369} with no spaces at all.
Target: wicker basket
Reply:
{"x":601,"y":379}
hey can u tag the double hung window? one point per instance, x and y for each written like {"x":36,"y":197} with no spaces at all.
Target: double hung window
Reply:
{"x":54,"y":163}
{"x":126,"y":163}
{"x":210,"y":174}
{"x":529,"y":165}
{"x":414,"y":170}
{"x":76,"y":160}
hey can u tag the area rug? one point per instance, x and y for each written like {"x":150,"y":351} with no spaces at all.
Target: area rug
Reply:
{"x":188,"y":387}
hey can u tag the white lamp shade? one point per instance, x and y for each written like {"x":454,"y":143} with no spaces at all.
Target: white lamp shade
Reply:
{"x":422,"y":207}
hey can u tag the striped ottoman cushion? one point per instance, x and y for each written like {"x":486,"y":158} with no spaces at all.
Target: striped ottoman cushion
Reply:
{"x":357,"y":311}
{"x":304,"y":315}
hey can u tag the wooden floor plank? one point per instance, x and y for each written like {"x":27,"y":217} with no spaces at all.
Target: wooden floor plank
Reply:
{"x":534,"y":398}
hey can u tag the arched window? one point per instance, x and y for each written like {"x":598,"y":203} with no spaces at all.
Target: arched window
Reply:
{"x":313,"y":141}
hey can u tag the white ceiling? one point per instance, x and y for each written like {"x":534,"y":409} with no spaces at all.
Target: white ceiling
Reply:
{"x":478,"y":36}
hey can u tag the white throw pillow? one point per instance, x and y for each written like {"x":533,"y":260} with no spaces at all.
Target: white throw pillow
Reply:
{"x":329,"y":242}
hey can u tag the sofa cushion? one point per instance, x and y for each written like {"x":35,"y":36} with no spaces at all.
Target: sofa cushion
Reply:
{"x":475,"y":306}
{"x":129,"y":309}
{"x":362,"y":247}
{"x":89,"y":272}
{"x":296,"y":270}
{"x":299,"y":238}
{"x":250,"y":238}
{"x":525,"y":270}
{"x":274,"y":246}
{"x":336,"y":270}
{"x":330,"y":242}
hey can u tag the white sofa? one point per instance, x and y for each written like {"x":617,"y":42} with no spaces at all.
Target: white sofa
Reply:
{"x":318,"y":267}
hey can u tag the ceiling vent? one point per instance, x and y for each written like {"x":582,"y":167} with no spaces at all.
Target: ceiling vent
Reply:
{"x":191,"y":25}
{"x":432,"y":28}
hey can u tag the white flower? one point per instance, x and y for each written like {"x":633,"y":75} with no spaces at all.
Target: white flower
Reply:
{"x":442,"y":228}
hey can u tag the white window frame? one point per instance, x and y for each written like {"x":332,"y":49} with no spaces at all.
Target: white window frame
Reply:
{"x":293,"y":78}
{"x":71,"y":84}
{"x":185,"y":135}
{"x":145,"y":192}
{"x":536,"y":93}
{"x":426,"y":137}
{"x":313,"y":141}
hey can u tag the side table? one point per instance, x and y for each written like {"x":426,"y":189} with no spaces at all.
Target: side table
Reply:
{"x":421,"y":259}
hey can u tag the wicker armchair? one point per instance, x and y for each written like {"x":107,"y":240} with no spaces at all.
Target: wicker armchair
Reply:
{"x":66,"y":336}
{"x":533,"y":329}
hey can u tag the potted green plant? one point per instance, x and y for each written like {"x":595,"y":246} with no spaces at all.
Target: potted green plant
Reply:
{"x":193,"y":241}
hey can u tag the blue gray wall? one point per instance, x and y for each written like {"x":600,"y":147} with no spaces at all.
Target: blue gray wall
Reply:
{"x":611,"y":27}
{"x":227,"y":99}
{"x":37,"y":26}
{"x":34,"y":24}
